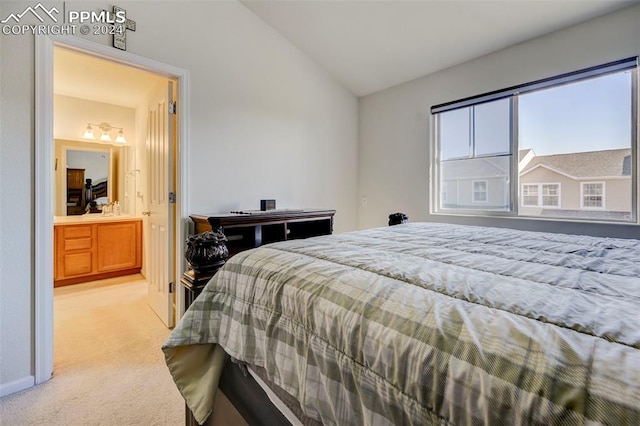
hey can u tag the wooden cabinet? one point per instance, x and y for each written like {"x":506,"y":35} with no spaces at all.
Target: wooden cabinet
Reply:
{"x":90,"y":251}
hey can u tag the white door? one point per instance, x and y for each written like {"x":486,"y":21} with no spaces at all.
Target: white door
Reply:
{"x":161,"y":255}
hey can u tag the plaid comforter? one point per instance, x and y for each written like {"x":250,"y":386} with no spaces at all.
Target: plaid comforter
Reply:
{"x":433,"y":324}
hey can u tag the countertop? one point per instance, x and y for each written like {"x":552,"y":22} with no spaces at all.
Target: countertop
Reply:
{"x":92,"y":218}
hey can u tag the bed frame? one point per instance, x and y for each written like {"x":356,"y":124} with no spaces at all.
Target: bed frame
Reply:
{"x":247,"y":397}
{"x":98,"y":190}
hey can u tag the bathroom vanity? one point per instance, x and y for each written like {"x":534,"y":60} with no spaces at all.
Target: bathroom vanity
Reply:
{"x":92,"y":247}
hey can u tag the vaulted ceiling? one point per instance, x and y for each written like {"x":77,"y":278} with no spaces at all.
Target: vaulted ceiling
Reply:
{"x":370,"y":45}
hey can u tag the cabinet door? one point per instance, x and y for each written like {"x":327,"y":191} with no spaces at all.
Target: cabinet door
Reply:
{"x":77,"y":264}
{"x":118,"y":246}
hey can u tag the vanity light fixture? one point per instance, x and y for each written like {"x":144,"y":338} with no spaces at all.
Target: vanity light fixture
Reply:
{"x":106,"y":129}
{"x":88,"y":133}
{"x":120,"y":138}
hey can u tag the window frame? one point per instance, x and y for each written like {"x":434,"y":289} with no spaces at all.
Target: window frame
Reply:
{"x":486,"y":191}
{"x":513,"y":172}
{"x":540,"y":195}
{"x":535,"y":185}
{"x":604,"y":195}
{"x":436,"y":204}
{"x":559,"y":195}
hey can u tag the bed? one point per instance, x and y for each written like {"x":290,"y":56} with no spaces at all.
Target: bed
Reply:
{"x":425,"y":323}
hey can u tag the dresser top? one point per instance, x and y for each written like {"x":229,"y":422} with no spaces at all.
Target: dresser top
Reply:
{"x":246,"y":217}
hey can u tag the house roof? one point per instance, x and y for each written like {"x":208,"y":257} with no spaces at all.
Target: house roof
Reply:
{"x":613,"y":162}
{"x":523,"y":153}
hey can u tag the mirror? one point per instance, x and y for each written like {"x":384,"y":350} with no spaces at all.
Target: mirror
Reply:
{"x":87,"y":181}
{"x":86,"y":177}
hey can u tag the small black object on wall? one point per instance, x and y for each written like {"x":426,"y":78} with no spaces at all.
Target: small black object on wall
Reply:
{"x":267,"y":205}
{"x":398,"y":218}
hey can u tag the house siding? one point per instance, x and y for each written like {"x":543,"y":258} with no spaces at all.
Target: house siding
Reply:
{"x":460,"y":194}
{"x":617,"y":191}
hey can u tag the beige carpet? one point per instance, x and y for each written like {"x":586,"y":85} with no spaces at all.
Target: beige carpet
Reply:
{"x":108,"y":366}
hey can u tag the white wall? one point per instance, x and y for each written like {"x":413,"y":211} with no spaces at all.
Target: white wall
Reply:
{"x":16,"y":210}
{"x":71,"y":116}
{"x":394,"y":123}
{"x":265,"y":121}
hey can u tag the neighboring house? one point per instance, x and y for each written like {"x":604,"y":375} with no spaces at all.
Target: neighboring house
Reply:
{"x":476,"y":183}
{"x":593,"y":184}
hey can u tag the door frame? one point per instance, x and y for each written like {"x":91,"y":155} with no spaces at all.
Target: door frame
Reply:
{"x":44,"y":178}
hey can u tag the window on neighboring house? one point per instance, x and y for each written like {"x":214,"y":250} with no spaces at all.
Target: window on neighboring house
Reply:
{"x":540,"y":195}
{"x":530,"y":195}
{"x":479,"y":191}
{"x":551,"y":195}
{"x":577,"y":128}
{"x":593,"y":195}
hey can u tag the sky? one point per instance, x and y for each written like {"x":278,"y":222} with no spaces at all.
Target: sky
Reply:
{"x":590,"y":115}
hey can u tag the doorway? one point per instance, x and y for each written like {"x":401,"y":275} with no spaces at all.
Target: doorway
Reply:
{"x":45,"y":46}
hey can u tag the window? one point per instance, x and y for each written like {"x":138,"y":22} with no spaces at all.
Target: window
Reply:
{"x":479,"y":191}
{"x":476,"y":154}
{"x":530,"y":195}
{"x":593,"y":195}
{"x":540,"y":195}
{"x":551,"y":195}
{"x":543,"y":149}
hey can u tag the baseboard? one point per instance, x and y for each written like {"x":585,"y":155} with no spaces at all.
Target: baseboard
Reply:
{"x":17,"y":385}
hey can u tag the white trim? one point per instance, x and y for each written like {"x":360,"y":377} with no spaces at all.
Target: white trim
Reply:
{"x":16,"y":385}
{"x":473,"y":191}
{"x":590,"y":178}
{"x":44,"y":188}
{"x":604,"y":199}
{"x":553,"y":169}
{"x":44,"y":182}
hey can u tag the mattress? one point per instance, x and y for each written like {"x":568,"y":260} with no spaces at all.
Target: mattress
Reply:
{"x":431,"y":324}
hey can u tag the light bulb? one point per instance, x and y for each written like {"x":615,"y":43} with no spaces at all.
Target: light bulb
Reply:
{"x":88,"y":133}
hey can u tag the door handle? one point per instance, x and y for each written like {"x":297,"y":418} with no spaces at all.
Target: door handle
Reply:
{"x":148,"y":213}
